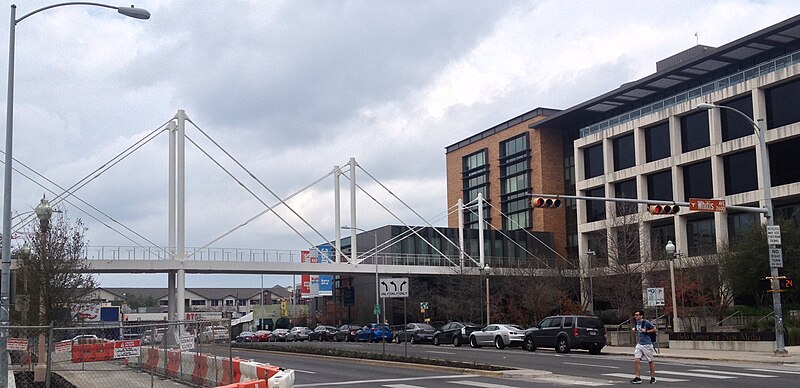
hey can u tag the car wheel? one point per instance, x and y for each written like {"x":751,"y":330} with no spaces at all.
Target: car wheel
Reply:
{"x":396,"y":340}
{"x":413,"y":341}
{"x":473,"y":342}
{"x":529,"y":344}
{"x":595,"y":350}
{"x":456,"y":340}
{"x":498,"y":343}
{"x":348,"y":338}
{"x":561,"y":345}
{"x":436,"y":341}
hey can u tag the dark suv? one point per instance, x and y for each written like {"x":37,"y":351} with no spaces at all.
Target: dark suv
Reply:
{"x":456,"y":333}
{"x":565,"y":332}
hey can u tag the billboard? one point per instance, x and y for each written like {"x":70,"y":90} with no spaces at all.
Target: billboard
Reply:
{"x":325,"y":255}
{"x":86,"y":312}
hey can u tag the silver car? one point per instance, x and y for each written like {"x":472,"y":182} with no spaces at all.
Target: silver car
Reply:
{"x":498,"y":334}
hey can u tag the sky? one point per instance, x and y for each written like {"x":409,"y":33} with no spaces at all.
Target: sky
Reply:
{"x":291,"y":89}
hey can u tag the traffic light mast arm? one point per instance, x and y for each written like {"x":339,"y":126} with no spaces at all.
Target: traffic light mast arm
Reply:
{"x":647,"y":201}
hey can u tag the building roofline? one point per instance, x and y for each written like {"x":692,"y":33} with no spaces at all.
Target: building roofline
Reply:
{"x":501,"y":127}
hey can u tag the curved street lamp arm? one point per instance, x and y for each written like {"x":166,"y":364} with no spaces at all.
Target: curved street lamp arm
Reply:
{"x":137,"y":13}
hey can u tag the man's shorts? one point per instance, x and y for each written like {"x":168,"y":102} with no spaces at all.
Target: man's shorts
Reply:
{"x":644,"y":351}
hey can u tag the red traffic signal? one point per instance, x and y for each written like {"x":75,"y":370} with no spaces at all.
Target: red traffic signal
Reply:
{"x":786,"y":283}
{"x":663,"y":209}
{"x":546,"y":202}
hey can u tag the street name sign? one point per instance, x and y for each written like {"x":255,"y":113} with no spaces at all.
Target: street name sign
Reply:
{"x":706,"y":205}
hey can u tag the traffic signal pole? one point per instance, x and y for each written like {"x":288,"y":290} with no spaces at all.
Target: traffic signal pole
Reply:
{"x":647,"y":201}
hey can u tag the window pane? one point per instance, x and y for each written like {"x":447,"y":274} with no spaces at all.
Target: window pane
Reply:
{"x":697,"y":180}
{"x":659,"y":236}
{"x":783,"y":107}
{"x":734,"y":125}
{"x":694,"y":131}
{"x":739,"y":224}
{"x":740,"y":172}
{"x":593,"y":161}
{"x":656,"y":142}
{"x":595,"y":210}
{"x":626,"y":189}
{"x":702,"y":237}
{"x":783,"y":162}
{"x":659,"y":186}
{"x":624,"y":155}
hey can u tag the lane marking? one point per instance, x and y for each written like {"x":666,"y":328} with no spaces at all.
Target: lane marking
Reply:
{"x":378,"y":381}
{"x":403,"y":386}
{"x":730,"y":373}
{"x":571,"y":381}
{"x":690,"y":374}
{"x":592,"y":365}
{"x":432,"y":351}
{"x":658,"y":378}
{"x":471,"y":383}
{"x":305,"y":371}
{"x":775,"y":371}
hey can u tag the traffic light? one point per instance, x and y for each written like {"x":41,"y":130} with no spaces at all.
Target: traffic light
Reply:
{"x":784,"y":283}
{"x":546,"y":202}
{"x":663,"y":209}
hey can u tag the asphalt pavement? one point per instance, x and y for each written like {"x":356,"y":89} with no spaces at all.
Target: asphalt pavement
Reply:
{"x":793,"y":356}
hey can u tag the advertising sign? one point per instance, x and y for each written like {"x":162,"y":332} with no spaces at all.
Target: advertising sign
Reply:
{"x":127,"y":349}
{"x":305,"y":279}
{"x":86,"y":312}
{"x":17,"y":344}
{"x":325,"y":255}
{"x":63,"y":346}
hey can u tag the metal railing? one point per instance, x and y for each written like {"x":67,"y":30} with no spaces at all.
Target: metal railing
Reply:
{"x":735,"y":313}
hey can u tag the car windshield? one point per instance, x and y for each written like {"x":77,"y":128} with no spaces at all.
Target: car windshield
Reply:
{"x":425,"y":326}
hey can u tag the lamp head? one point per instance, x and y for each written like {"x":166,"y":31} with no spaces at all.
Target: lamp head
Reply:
{"x":670,"y":248}
{"x":136,"y":13}
{"x":706,"y":106}
{"x":43,"y":210}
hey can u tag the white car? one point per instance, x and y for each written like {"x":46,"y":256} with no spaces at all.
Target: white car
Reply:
{"x":501,"y":335}
{"x":215,"y":333}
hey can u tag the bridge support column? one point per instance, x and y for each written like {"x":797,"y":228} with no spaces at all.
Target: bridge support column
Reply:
{"x":180,"y":295}
{"x":171,"y":304}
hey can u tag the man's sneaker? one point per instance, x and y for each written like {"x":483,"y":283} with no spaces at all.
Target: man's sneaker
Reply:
{"x":652,"y":380}
{"x":636,"y":380}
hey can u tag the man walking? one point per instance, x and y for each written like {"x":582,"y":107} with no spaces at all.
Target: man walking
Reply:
{"x":644,"y":347}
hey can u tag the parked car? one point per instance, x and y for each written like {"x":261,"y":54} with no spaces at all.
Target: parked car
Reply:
{"x":278,"y":335}
{"x":322,"y":333}
{"x":245,"y":336}
{"x":565,"y":332}
{"x":215,"y":333}
{"x":298,"y":333}
{"x":456,"y":333}
{"x":130,"y":337}
{"x":501,"y":335}
{"x":148,"y":337}
{"x":346,"y":333}
{"x":374,"y":332}
{"x":415,"y":333}
{"x":261,"y":336}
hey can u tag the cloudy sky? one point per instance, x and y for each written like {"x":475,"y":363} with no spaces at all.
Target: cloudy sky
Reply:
{"x":293,"y":88}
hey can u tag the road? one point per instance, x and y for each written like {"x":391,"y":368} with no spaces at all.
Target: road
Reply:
{"x":576,"y":368}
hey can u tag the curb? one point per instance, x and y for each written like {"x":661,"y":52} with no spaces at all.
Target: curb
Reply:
{"x":759,"y":358}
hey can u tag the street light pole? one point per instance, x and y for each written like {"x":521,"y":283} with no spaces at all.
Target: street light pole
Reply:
{"x":761,"y":134}
{"x":486,"y":270}
{"x":589,"y":254}
{"x":673,"y":253}
{"x":5,"y":266}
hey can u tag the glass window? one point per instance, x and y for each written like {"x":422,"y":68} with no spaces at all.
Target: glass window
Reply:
{"x":702,"y":237}
{"x":697,"y":180}
{"x":783,"y":165}
{"x":656,"y":142}
{"x":627,"y":244}
{"x":739,"y":224}
{"x":595,"y":210}
{"x":659,"y":186}
{"x":624,"y":154}
{"x":626,"y":189}
{"x":475,"y":160}
{"x":788,"y":212}
{"x":740,"y":172}
{"x":593,"y":161}
{"x":783,"y":107}
{"x":514,"y":145}
{"x":734,"y":125}
{"x":659,"y":236}
{"x":694,"y":131}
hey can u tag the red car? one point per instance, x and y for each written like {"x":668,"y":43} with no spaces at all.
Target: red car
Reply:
{"x":261,"y":336}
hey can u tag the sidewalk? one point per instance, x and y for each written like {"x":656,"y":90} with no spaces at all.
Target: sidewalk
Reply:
{"x":716,"y":355}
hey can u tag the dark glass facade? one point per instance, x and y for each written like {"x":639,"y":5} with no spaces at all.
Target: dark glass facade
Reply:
{"x":694,"y":131}
{"x":656,"y":142}
{"x":515,"y":180}
{"x":660,"y":234}
{"x":783,"y":106}
{"x":626,"y":189}
{"x":595,"y":210}
{"x":740,"y":172}
{"x":475,"y":178}
{"x":734,"y":125}
{"x":659,"y":186}
{"x":702,"y":236}
{"x":739,"y":224}
{"x":783,"y":162}
{"x":624,"y":154}
{"x":593,"y":161}
{"x":697,"y":180}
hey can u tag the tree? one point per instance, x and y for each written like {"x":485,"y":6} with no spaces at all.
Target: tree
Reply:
{"x":53,"y":273}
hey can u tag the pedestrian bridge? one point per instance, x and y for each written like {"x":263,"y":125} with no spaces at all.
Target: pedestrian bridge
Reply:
{"x":138,"y":259}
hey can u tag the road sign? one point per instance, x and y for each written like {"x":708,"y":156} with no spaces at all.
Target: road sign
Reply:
{"x":655,"y":296}
{"x":706,"y":205}
{"x":377,"y":309}
{"x":423,"y":307}
{"x":774,"y":234}
{"x":394,"y":288}
{"x":776,"y":258}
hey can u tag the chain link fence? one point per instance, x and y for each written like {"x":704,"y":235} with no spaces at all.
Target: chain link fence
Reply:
{"x":196,"y":353}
